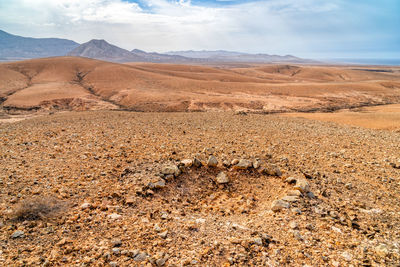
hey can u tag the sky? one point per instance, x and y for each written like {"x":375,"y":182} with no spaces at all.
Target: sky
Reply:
{"x":305,"y":28}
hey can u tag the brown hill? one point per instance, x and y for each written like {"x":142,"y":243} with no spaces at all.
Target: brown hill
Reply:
{"x":85,"y":84}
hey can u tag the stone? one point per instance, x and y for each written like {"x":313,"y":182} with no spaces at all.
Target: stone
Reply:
{"x":130,"y":200}
{"x":116,"y":251}
{"x":347,"y":256}
{"x":140,"y":257}
{"x":170,"y":169}
{"x":310,"y":194}
{"x":234,"y":161}
{"x":116,"y":242}
{"x":161,"y":262}
{"x":291,"y":180}
{"x":272,"y":170}
{"x":294,"y":225}
{"x":159,"y":184}
{"x":187,"y":163}
{"x":302,"y":185}
{"x":296,"y":193}
{"x":86,"y":205}
{"x":279,"y":204}
{"x":256,"y":164}
{"x":226,"y":163}
{"x":382,"y":250}
{"x":113,"y":264}
{"x":157,"y":228}
{"x":258,"y":241}
{"x":222,"y":178}
{"x":297,"y":235}
{"x":296,"y":210}
{"x":18,"y":234}
{"x":291,"y":198}
{"x":348,"y":186}
{"x":197,"y":163}
{"x":243,"y":164}
{"x":212,"y":161}
{"x":114,"y":216}
{"x":163,"y":234}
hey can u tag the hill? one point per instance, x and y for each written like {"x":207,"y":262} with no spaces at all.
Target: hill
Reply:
{"x":13,"y":47}
{"x":100,"y":49}
{"x":229,"y":56}
{"x":81,"y":83}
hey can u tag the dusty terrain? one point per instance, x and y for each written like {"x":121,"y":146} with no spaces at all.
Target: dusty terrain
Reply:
{"x":68,"y":83}
{"x":100,"y":174}
{"x":386,"y":117}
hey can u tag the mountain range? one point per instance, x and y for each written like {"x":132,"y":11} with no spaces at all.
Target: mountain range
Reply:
{"x":13,"y":47}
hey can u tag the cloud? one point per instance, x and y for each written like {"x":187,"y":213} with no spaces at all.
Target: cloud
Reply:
{"x":302,"y":27}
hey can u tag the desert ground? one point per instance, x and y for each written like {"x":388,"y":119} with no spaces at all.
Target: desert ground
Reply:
{"x":261,"y":175}
{"x":69,"y":83}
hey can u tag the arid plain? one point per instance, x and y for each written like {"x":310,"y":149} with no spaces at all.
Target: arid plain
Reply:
{"x":192,"y":165}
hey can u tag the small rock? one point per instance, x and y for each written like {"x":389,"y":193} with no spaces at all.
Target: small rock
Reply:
{"x":296,"y":193}
{"x":114,"y":216}
{"x":256,"y":164}
{"x":222,"y":178}
{"x":18,"y":234}
{"x":130,"y":200}
{"x":258,"y":241}
{"x":348,"y":186}
{"x":187,"y":163}
{"x":161,"y":262}
{"x":234,"y":161}
{"x":296,"y":210}
{"x":297,"y":235}
{"x":291,"y":198}
{"x":197,"y":163}
{"x":140,"y":257}
{"x":243,"y":164}
{"x":86,"y":206}
{"x":347,"y":256}
{"x":279,"y":204}
{"x":170,"y":169}
{"x":116,"y":251}
{"x":159,"y":184}
{"x":226,"y":163}
{"x":212,"y":161}
{"x":310,"y":194}
{"x":163,"y":234}
{"x":157,"y":228}
{"x":272,"y":170}
{"x":116,"y":242}
{"x":291,"y":180}
{"x":294,"y":225}
{"x":382,"y":250}
{"x":113,"y":264}
{"x":302,"y":185}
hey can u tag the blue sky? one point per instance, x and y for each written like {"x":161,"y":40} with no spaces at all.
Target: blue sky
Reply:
{"x":306,"y":28}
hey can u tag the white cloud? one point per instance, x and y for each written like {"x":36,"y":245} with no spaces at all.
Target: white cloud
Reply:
{"x":275,"y":26}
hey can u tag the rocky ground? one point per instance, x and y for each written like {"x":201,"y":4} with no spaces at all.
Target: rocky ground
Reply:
{"x":123,"y":189}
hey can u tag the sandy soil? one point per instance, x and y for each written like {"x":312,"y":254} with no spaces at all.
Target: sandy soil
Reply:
{"x":103,"y":171}
{"x":386,"y":117}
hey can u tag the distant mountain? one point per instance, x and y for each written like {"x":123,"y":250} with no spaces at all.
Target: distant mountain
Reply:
{"x":100,"y":49}
{"x":13,"y":47}
{"x":161,"y":58}
{"x":229,"y":56}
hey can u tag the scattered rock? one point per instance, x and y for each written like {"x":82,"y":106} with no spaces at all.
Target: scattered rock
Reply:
{"x":272,"y":170}
{"x":279,"y":204}
{"x":163,"y":234}
{"x":114,"y":216}
{"x":197,"y":163}
{"x":302,"y":185}
{"x":116,"y":242}
{"x":296,"y":193}
{"x":116,"y":251}
{"x":234,"y":161}
{"x":187,"y":163}
{"x":222,"y":178}
{"x":291,"y":198}
{"x":170,"y":169}
{"x":348,"y":186}
{"x":294,"y":225}
{"x":18,"y":234}
{"x":382,"y":250}
{"x":113,"y":264}
{"x":243,"y":164}
{"x":140,"y":257}
{"x":212,"y":161}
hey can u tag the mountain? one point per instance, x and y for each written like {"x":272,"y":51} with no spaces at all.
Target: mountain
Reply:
{"x":13,"y":47}
{"x":162,"y":58}
{"x":229,"y":56}
{"x":100,"y":49}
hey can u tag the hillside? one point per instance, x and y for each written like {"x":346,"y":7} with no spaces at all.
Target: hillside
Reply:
{"x":13,"y":47}
{"x":66,"y":83}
